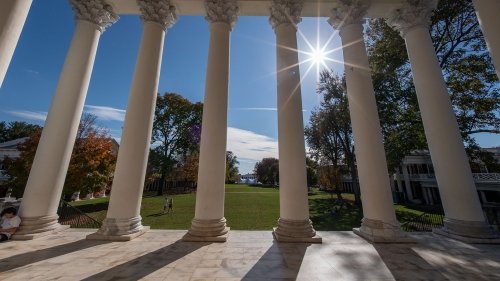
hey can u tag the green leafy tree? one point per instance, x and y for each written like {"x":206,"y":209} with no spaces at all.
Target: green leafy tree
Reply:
{"x":312,"y":172}
{"x":176,"y":133}
{"x":232,"y":171}
{"x":267,"y":170}
{"x":329,"y":133}
{"x":467,"y":69}
{"x":15,"y":130}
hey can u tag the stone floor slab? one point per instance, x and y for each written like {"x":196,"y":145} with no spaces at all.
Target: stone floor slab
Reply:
{"x":247,"y":255}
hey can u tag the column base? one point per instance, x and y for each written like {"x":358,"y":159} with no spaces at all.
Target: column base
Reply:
{"x":296,"y":231}
{"x":119,"y":229}
{"x":474,"y":232}
{"x":207,"y":231}
{"x":36,"y":227}
{"x":377,"y":231}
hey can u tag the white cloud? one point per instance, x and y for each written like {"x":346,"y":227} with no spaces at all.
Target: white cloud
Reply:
{"x":30,"y":115}
{"x":250,"y":147}
{"x":31,"y":71}
{"x":106,"y":113}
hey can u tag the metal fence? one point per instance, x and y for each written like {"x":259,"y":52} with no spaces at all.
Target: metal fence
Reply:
{"x":69,"y":215}
{"x":424,"y":223}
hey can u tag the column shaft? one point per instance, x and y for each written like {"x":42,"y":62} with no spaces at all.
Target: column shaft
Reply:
{"x":379,"y":222}
{"x":294,"y":224}
{"x":443,"y":136}
{"x":212,"y":167}
{"x":407,"y":180}
{"x":13,"y":14}
{"x":487,"y":14}
{"x":463,"y":211}
{"x":123,"y":218}
{"x":209,"y":223}
{"x":293,"y":181}
{"x":48,"y":172}
{"x":399,"y":182}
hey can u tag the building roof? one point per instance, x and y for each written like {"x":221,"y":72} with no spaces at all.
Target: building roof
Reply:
{"x":12,"y":144}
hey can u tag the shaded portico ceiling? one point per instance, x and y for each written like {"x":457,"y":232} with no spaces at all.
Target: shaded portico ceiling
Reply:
{"x":312,"y":8}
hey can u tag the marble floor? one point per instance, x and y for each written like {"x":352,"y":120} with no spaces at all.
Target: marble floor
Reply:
{"x":247,"y":255}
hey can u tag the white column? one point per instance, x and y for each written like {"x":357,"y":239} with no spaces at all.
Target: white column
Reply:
{"x":464,"y":216}
{"x":209,"y":223}
{"x":487,"y":12}
{"x":123,"y":220}
{"x":379,"y":222}
{"x":13,"y":14}
{"x":48,"y":172}
{"x":391,"y":182}
{"x":294,"y":224}
{"x":399,"y":181}
{"x":407,"y":180}
{"x":483,"y":197}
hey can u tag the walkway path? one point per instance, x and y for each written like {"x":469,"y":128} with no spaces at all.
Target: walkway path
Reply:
{"x":248,"y":255}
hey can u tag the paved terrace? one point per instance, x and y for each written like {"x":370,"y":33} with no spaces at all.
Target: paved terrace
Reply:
{"x":248,"y":255}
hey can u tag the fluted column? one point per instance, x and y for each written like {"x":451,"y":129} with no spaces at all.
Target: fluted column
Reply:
{"x":379,"y":222}
{"x":48,"y":172}
{"x":13,"y":14}
{"x":406,"y":177}
{"x":209,"y":223}
{"x":123,"y":220}
{"x":487,"y":12}
{"x":464,"y":217}
{"x":294,"y":224}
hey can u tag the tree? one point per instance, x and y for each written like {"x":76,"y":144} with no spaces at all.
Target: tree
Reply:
{"x":15,"y":130}
{"x":18,"y":169}
{"x":329,"y":133}
{"x":467,"y":69}
{"x":232,"y":172}
{"x":330,"y":179}
{"x":92,"y":163}
{"x":267,"y":171}
{"x":190,"y":167}
{"x":176,"y":133}
{"x":91,"y":166}
{"x":312,"y":172}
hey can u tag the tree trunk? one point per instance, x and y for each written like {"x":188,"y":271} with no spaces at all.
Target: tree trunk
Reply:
{"x":162,"y":185}
{"x":355,"y":184}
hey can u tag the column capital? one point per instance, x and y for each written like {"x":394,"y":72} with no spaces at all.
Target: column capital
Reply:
{"x":413,"y":13}
{"x":225,"y":11}
{"x":285,"y":11}
{"x":348,"y":12}
{"x":161,"y":12}
{"x":97,"y":12}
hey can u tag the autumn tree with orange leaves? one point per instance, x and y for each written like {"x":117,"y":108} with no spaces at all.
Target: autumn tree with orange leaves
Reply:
{"x":91,"y":166}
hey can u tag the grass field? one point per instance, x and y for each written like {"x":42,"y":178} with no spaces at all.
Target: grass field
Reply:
{"x":246,"y":208}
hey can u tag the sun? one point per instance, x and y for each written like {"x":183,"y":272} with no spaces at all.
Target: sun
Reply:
{"x":318,"y":56}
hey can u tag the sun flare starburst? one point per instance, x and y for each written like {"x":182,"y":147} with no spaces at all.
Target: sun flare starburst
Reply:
{"x":318,"y":56}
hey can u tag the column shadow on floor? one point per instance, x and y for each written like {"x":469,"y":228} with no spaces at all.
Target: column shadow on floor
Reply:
{"x":281,"y":261}
{"x":405,"y":264}
{"x":144,"y":265}
{"x":43,"y":254}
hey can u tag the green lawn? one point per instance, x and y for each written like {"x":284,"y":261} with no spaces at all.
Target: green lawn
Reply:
{"x":246,"y":208}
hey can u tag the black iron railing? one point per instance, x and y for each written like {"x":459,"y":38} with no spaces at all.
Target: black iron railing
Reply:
{"x":69,"y":215}
{"x":424,"y":223}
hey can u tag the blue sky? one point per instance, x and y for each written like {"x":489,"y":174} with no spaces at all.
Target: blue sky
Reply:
{"x":252,"y":125}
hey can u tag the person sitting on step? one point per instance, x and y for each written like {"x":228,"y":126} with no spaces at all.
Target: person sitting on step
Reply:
{"x":9,"y":223}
